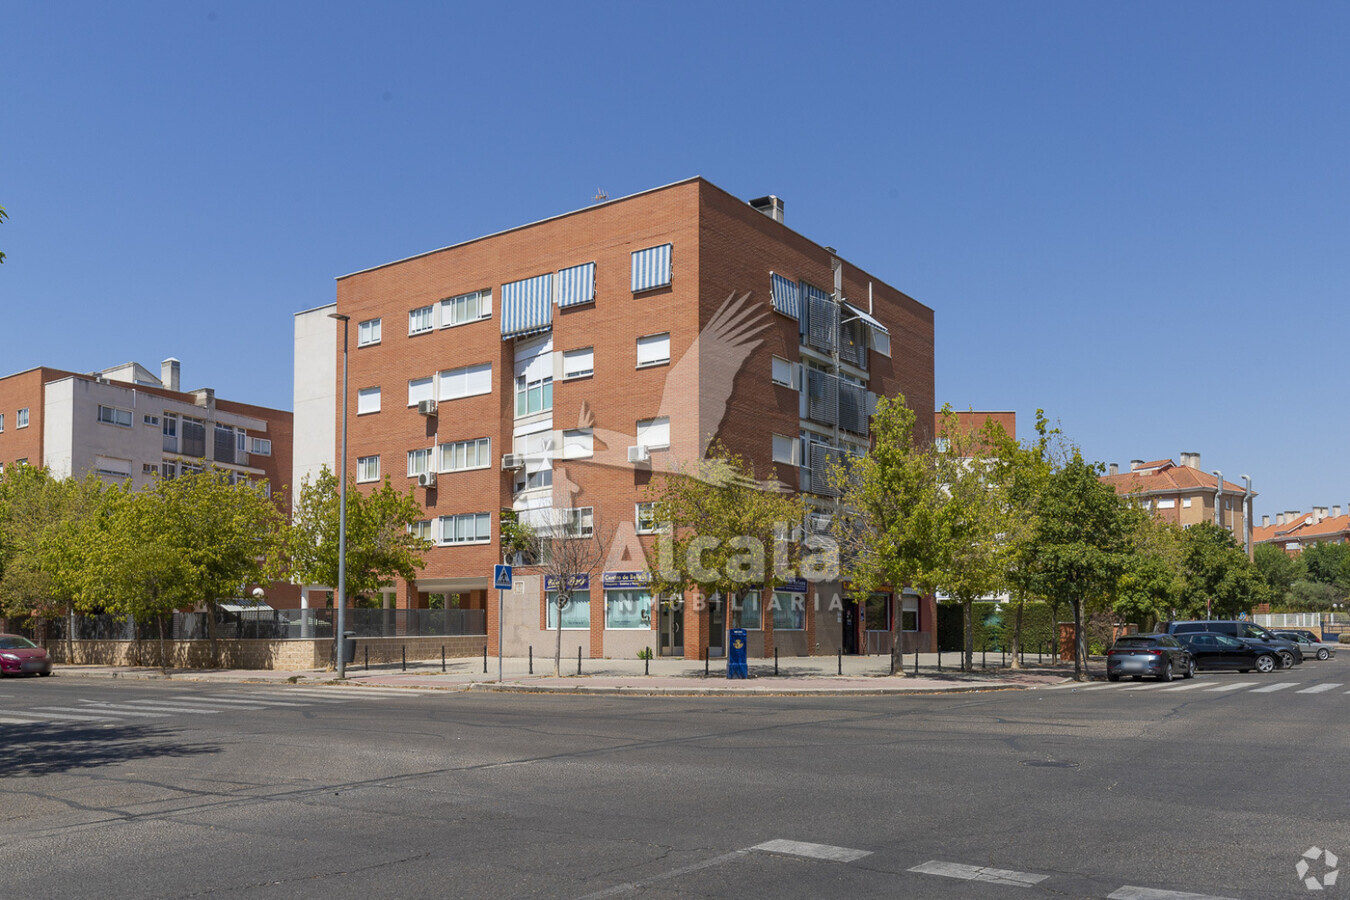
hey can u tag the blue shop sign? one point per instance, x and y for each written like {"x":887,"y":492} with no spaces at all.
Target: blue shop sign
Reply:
{"x":615,"y":580}
{"x":574,"y":582}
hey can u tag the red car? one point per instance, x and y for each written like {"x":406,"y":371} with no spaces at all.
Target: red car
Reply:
{"x":20,"y":656}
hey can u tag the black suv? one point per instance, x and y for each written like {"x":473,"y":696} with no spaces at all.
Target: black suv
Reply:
{"x":1247,"y":632}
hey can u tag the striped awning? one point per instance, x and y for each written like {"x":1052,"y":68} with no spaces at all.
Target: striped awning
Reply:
{"x":866,"y":318}
{"x":651,"y":268}
{"x":527,"y":306}
{"x":786,"y":298}
{"x":576,"y":285}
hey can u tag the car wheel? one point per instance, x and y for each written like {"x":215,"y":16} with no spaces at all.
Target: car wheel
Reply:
{"x":1166,"y":674}
{"x":1323,"y":653}
{"x":1190,"y":669}
{"x":1265,"y":663}
{"x":1286,"y":659}
{"x":45,"y":674}
{"x":1112,"y":676}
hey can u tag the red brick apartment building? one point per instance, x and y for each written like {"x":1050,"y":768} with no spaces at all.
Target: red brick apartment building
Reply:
{"x":568,"y":363}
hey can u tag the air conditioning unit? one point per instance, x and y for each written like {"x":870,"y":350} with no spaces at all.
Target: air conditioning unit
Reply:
{"x":818,"y":523}
{"x":512,"y":461}
{"x":426,"y":479}
{"x":426,"y":407}
{"x":638,"y":454}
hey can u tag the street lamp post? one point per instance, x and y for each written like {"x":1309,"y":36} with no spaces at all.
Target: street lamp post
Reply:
{"x":1247,"y":514}
{"x":342,"y":514}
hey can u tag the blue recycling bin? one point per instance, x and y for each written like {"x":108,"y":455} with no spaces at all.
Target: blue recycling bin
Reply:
{"x":736,"y":664}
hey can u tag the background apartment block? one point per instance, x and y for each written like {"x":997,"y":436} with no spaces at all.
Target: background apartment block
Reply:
{"x":568,"y":363}
{"x":1185,"y":494}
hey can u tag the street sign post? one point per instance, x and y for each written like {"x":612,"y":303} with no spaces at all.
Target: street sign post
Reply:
{"x":501,"y":580}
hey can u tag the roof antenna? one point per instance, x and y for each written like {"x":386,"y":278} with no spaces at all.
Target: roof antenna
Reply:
{"x":600,"y":196}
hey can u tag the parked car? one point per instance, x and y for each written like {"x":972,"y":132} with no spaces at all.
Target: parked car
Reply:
{"x":1219,"y":651}
{"x":1289,"y":652}
{"x":20,"y":656}
{"x":1308,"y":644}
{"x":1138,"y":655}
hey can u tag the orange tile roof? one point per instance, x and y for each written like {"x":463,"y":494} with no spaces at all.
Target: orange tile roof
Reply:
{"x":1168,"y":478}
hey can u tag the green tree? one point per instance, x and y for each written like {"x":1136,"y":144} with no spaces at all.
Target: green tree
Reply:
{"x":1279,"y":569}
{"x":1028,"y":468}
{"x":1328,"y":563}
{"x":1219,"y":579}
{"x":569,"y":547}
{"x":380,"y":542}
{"x":1151,"y":583}
{"x":1077,"y":551}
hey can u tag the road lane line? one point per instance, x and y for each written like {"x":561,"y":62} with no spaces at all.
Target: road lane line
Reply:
{"x":71,"y":716}
{"x":631,"y":886}
{"x":1272,"y":688}
{"x":1319,"y":688}
{"x":1129,"y":892}
{"x":1234,"y":686}
{"x":812,"y":851}
{"x":979,"y":873}
{"x":8,"y":721}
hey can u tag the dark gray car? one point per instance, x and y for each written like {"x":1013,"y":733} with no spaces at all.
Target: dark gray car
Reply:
{"x":1249,"y":632}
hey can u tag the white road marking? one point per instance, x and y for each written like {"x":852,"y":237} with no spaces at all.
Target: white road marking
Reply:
{"x":363,"y":691}
{"x":1129,"y":892}
{"x":71,"y":716}
{"x":210,"y":701}
{"x":162,"y":706}
{"x":1189,"y":686}
{"x":7,"y":721}
{"x":113,"y":709}
{"x":257,"y":704}
{"x":1272,"y":688}
{"x":1098,"y":687}
{"x":1148,"y":686}
{"x":812,"y":851}
{"x":1234,"y":686}
{"x":979,"y":873}
{"x":673,"y":873}
{"x":1319,"y":688}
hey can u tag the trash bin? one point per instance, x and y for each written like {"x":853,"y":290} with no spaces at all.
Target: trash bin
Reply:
{"x":737,"y":667}
{"x":349,"y":647}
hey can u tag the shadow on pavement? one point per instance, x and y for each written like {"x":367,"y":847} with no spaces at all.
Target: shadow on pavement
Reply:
{"x":48,"y":749}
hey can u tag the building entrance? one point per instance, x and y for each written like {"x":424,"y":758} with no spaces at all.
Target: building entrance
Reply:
{"x":671,"y":627}
{"x":717,"y":628}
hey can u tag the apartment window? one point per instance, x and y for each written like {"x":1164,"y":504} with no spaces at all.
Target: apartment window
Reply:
{"x":167,"y":470}
{"x":225,"y":444}
{"x":577,"y":613}
{"x":646,"y":518}
{"x":1167,"y":503}
{"x":533,"y":395}
{"x":785,"y":450}
{"x":368,"y":468}
{"x":784,"y":373}
{"x":466,"y":308}
{"x":789,"y":611}
{"x":112,"y":467}
{"x":367,"y":401}
{"x":193,"y":437}
{"x":653,"y":350}
{"x":628,"y":610}
{"x":421,"y":320}
{"x":419,"y":462}
{"x":579,"y":363}
{"x":654,"y":434}
{"x":881,"y":342}
{"x":651,"y":268}
{"x":467,"y":528}
{"x":21,"y":420}
{"x":170,"y":433}
{"x":746,"y":612}
{"x":368,"y":332}
{"x":189,"y":469}
{"x":578,"y":443}
{"x":260,"y":446}
{"x":111,"y":415}
{"x":420,"y":389}
{"x":537,"y":448}
{"x":909,"y":613}
{"x":877,"y":612}
{"x":469,"y":381}
{"x":786,"y":296}
{"x":474,"y":454}
{"x":421,"y":530}
{"x":578,"y":522}
{"x":576,"y":285}
{"x":1185,"y":502}
{"x":2,"y":421}
{"x":152,"y":421}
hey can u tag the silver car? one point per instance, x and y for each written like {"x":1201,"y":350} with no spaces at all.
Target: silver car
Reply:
{"x":1309,"y":646}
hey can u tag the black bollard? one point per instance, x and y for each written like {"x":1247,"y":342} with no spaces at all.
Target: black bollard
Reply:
{"x":916,"y":662}
{"x":442,"y":660}
{"x":367,"y":657}
{"x":1003,"y":656}
{"x":775,"y":661}
{"x":532,"y":659}
{"x":841,"y":660}
{"x":404,"y":651}
{"x":578,"y":660}
{"x":647,"y":662}
{"x":485,"y":659}
{"x":706,"y":663}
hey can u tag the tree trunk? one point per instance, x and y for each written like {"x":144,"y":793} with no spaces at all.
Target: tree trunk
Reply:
{"x":163,"y":660}
{"x":1017,"y":634}
{"x":968,"y":619}
{"x":1080,"y":672}
{"x":211,"y":633}
{"x":897,"y":654}
{"x":70,"y":634}
{"x":557,"y":644}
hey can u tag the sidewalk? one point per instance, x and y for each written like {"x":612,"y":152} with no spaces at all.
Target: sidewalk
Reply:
{"x":800,"y":676}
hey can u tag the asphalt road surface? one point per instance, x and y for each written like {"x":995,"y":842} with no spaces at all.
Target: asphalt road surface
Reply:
{"x":1216,"y":787}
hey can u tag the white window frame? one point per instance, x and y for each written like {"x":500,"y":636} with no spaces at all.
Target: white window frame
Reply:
{"x":367,"y":469}
{"x":639,"y":593}
{"x":544,"y":388}
{"x":422,"y":529}
{"x":481,"y":448}
{"x":260,"y":446}
{"x":21,"y":418}
{"x":369,"y":332}
{"x":368,"y":401}
{"x":449,"y":527}
{"x":578,"y":443}
{"x":422,"y":320}
{"x":2,"y":423}
{"x":421,"y":389}
{"x":419,"y":462}
{"x":644,"y":517}
{"x":580,"y":599}
{"x":777,"y":369}
{"x":473,"y":383}
{"x":114,"y":415}
{"x":1166,"y":503}
{"x":578,"y":363}
{"x":651,"y":346}
{"x":654,"y":434}
{"x":793,"y":454}
{"x":450,"y":308}
{"x":577,"y":522}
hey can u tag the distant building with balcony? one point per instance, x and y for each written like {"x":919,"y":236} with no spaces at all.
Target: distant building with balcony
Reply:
{"x":1184,"y":494}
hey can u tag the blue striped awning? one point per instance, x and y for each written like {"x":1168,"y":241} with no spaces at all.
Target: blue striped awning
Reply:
{"x":786,"y":298}
{"x":576,"y":285}
{"x":527,"y":306}
{"x":651,"y":268}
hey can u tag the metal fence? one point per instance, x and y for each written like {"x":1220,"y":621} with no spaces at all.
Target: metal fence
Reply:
{"x":275,"y":624}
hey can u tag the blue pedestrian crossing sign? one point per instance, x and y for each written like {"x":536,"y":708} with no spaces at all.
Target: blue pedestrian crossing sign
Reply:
{"x":501,"y":578}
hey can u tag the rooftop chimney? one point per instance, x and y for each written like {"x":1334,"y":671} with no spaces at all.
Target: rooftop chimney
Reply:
{"x":1135,"y":464}
{"x":1114,"y":469}
{"x":1335,"y":512}
{"x":1319,"y":513}
{"x":170,"y":372}
{"x":1190,"y":459}
{"x":771,"y":206}
{"x":1279,"y":518}
{"x":1265,"y":521}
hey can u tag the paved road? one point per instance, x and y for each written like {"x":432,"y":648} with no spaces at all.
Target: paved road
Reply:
{"x":1125,"y":792}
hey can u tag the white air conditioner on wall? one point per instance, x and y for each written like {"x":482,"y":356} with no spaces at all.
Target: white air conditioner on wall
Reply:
{"x":426,"y":407}
{"x":638,"y":454}
{"x":426,"y":479}
{"x":512,"y":461}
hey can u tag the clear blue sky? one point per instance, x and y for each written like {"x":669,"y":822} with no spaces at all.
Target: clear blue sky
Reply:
{"x":1133,"y":215}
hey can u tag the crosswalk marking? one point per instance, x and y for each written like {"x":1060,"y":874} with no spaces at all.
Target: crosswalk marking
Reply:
{"x":196,"y":700}
{"x":1272,"y":688}
{"x":1234,"y":686}
{"x":1319,"y":688}
{"x":9,"y":721}
{"x":349,"y":692}
{"x":979,"y":873}
{"x":1130,"y":892}
{"x":1147,"y":686}
{"x":163,"y":706}
{"x":1098,"y":687}
{"x":52,"y":715}
{"x":258,"y":704}
{"x":812,"y":851}
{"x":1189,"y":686}
{"x":112,"y":709}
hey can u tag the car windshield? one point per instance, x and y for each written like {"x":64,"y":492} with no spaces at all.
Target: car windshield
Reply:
{"x":14,"y":642}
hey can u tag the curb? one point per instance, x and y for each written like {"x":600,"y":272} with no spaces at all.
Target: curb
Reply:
{"x":584,"y":690}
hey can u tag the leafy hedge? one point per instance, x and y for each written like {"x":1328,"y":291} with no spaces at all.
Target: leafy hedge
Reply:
{"x":993,"y":626}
